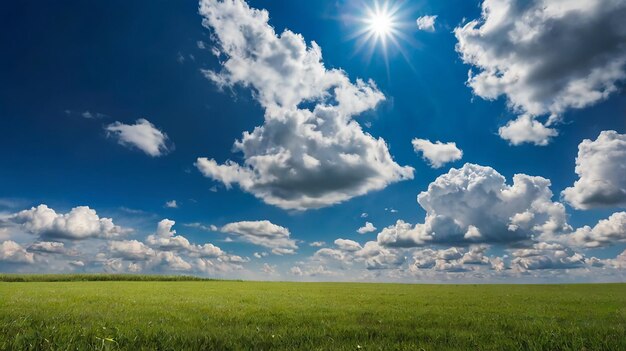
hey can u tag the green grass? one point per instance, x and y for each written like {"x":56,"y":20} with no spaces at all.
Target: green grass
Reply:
{"x":225,"y":315}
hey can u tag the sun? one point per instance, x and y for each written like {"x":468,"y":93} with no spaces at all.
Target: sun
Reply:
{"x":380,"y":23}
{"x":379,"y":26}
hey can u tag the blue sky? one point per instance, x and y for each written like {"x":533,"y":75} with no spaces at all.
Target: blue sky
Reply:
{"x":76,"y":74}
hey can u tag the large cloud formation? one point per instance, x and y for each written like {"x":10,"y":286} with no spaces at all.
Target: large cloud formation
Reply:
{"x":545,"y":56}
{"x":80,"y":223}
{"x":310,"y":152}
{"x":601,"y":166}
{"x":474,"y":204}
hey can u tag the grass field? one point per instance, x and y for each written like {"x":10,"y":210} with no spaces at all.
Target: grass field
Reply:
{"x":225,"y":315}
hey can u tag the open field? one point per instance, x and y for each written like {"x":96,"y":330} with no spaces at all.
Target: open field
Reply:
{"x":225,"y":315}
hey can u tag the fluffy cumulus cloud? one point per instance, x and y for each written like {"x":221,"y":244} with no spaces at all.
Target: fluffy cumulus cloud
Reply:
{"x":452,"y":259}
{"x":12,"y":252}
{"x":601,"y":167}
{"x":131,"y":250}
{"x":165,"y":238}
{"x":142,"y":135}
{"x":80,"y":223}
{"x":524,"y":50}
{"x":605,"y":233}
{"x":310,"y":152}
{"x":546,"y":256}
{"x":474,"y":204}
{"x":370,"y":256}
{"x":426,"y":23}
{"x":367,"y":228}
{"x":166,"y":251}
{"x":437,"y":154}
{"x":526,"y":129}
{"x":263,"y":233}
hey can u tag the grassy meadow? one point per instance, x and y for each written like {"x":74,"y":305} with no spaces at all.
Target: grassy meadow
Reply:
{"x":95,"y":313}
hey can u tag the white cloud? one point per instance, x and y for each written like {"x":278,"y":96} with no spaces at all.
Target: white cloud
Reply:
{"x":347,"y":245}
{"x":263,"y":233}
{"x":166,"y":239}
{"x":437,"y":153}
{"x":526,"y":129}
{"x":12,"y":252}
{"x":93,"y":115}
{"x":315,"y":271}
{"x":367,"y":228}
{"x":300,"y":158}
{"x":80,"y":223}
{"x":171,"y":204}
{"x":605,"y":233}
{"x":364,"y":215}
{"x":546,"y":256}
{"x":132,"y":250}
{"x":47,"y":247}
{"x":260,"y":254}
{"x":545,"y":56}
{"x":168,"y":260}
{"x":474,"y":204}
{"x":601,"y":167}
{"x":268,"y":269}
{"x":142,"y":135}
{"x":371,"y":255}
{"x":426,"y":23}
{"x":317,"y":244}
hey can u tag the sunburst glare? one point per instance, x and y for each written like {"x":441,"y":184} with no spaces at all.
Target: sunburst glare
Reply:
{"x":380,"y":26}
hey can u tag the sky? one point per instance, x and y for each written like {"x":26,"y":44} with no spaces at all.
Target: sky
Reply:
{"x":346,"y":140}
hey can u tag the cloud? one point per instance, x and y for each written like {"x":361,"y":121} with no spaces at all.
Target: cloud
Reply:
{"x":309,"y":152}
{"x":80,"y":223}
{"x":268,"y":269}
{"x":601,"y":167}
{"x":142,"y":135}
{"x":371,"y":255}
{"x":319,"y":270}
{"x":263,"y":233}
{"x":545,"y":56}
{"x":474,"y":204}
{"x":317,"y":244}
{"x":367,"y":228}
{"x":449,"y":260}
{"x":166,"y":239}
{"x":171,"y":204}
{"x":206,"y":228}
{"x":12,"y":252}
{"x":526,"y":129}
{"x":92,"y":115}
{"x":132,"y":250}
{"x":168,"y":261}
{"x":426,"y":23}
{"x":605,"y":233}
{"x":437,"y":153}
{"x":546,"y":256}
{"x":260,"y":254}
{"x":47,"y":247}
{"x":347,"y":245}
